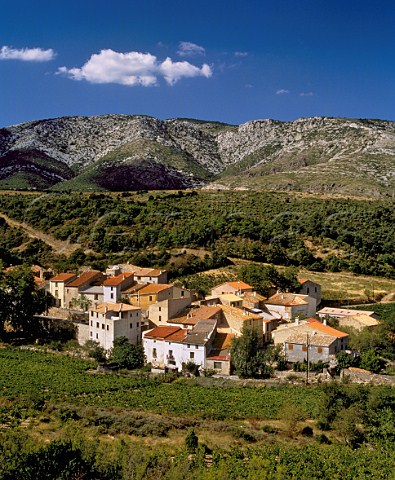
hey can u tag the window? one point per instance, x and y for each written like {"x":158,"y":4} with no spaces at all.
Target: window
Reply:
{"x":290,"y":347}
{"x":308,"y":290}
{"x":150,"y":298}
{"x":90,"y":334}
{"x":137,"y":324}
{"x":97,"y":324}
{"x":304,"y":348}
{"x":154,"y":352}
{"x":91,"y":323}
{"x":108,"y":328}
{"x":189,"y":346}
{"x":97,"y":336}
{"x":96,"y":296}
{"x":160,"y":309}
{"x":218,"y":365}
{"x":102,"y":326}
{"x":319,"y":350}
{"x":197,"y":347}
{"x":182,"y":293}
{"x":191,"y":355}
{"x":160,"y":318}
{"x":131,"y":325}
{"x":56,"y":293}
{"x":112,"y":296}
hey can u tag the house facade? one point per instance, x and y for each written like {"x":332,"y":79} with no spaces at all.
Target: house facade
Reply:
{"x":310,"y":340}
{"x":75,"y":288}
{"x":290,"y":305}
{"x":57,"y":287}
{"x":171,"y":346}
{"x":108,"y":321}
{"x":310,"y":288}
{"x":113,"y":286}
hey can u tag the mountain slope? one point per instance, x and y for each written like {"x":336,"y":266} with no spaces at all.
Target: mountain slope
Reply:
{"x":122,"y":152}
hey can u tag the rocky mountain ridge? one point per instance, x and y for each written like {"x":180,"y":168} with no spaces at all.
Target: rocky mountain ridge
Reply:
{"x":121,"y":152}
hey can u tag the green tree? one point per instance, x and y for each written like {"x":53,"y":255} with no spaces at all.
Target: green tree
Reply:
{"x":370,"y":360}
{"x":265,"y":277}
{"x":20,"y":301}
{"x":247,"y":354}
{"x":127,"y":355}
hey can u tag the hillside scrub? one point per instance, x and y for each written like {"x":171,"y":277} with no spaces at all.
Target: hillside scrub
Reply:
{"x":323,"y":234}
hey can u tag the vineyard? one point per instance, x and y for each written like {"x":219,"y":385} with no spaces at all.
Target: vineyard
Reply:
{"x":58,"y":378}
{"x":58,"y":414}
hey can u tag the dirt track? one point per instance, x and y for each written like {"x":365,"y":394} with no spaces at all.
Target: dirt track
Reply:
{"x":59,"y":246}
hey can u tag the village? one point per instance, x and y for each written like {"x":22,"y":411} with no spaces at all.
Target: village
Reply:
{"x":176,"y":327}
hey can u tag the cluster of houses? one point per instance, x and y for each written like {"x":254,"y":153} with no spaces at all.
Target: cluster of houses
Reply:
{"x":175,"y":327}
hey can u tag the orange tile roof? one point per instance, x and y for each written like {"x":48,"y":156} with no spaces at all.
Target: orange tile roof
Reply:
{"x":63,"y":277}
{"x":239,"y":285}
{"x":85,"y":277}
{"x":192,"y":315}
{"x":162,"y":332}
{"x":155,"y":288}
{"x":303,"y":280}
{"x":326,"y":329}
{"x":114,"y":281}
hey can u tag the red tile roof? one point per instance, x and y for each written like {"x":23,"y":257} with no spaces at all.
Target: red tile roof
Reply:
{"x":162,"y":333}
{"x":115,"y":281}
{"x":84,"y":278}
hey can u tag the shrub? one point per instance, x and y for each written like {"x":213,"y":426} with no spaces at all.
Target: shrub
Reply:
{"x":191,"y":441}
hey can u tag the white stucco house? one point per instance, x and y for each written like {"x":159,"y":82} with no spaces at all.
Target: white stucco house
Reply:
{"x":108,"y":321}
{"x":171,"y":346}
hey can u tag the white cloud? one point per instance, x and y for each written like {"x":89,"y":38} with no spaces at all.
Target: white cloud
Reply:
{"x":133,"y":68}
{"x":241,"y":54}
{"x":282,"y":91}
{"x":307,"y":94}
{"x":174,"y":71}
{"x":189,"y":49}
{"x":27,"y":54}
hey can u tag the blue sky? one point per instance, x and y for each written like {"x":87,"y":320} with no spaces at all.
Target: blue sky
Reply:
{"x":225,"y":60}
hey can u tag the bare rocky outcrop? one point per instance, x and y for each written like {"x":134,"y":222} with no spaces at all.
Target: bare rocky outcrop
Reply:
{"x":318,"y":153}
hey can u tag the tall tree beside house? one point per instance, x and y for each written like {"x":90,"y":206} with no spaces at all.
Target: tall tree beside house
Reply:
{"x":247,"y":354}
{"x":20,"y":301}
